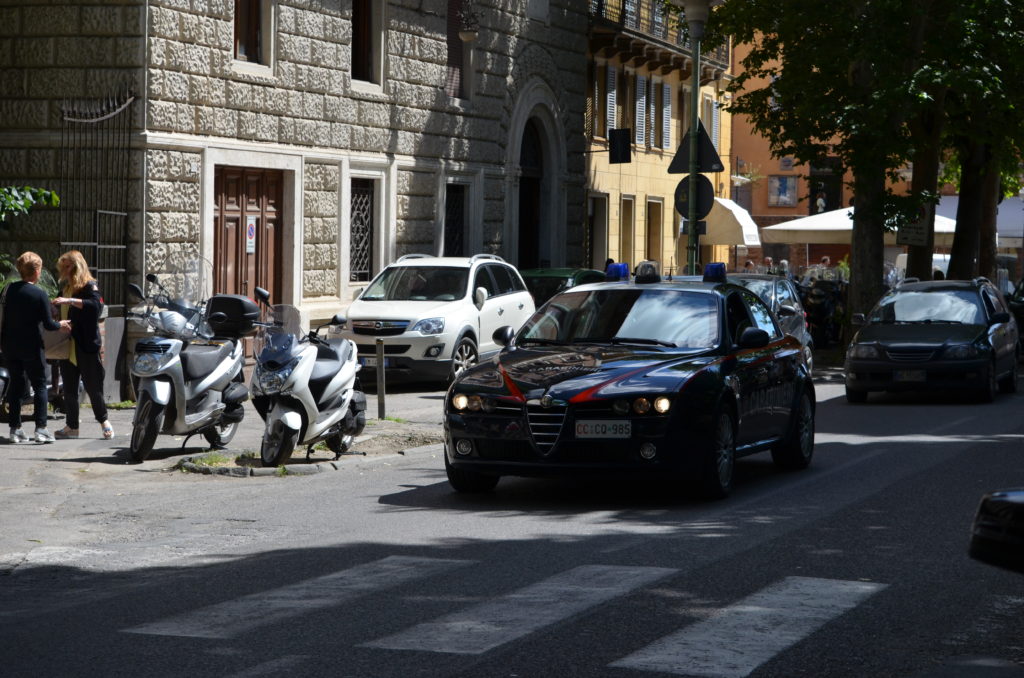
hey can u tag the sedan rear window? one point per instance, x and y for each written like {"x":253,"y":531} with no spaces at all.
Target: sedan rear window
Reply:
{"x":672,"y":318}
{"x":942,"y":306}
{"x":418,"y":283}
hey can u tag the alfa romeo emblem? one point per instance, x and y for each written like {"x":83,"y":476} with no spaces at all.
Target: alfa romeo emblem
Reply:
{"x":546,"y":401}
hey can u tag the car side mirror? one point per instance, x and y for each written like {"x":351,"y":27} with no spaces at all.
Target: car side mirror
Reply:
{"x":136,"y":291}
{"x":1001,"y":317}
{"x":480,"y":296}
{"x":857,"y":319}
{"x":753,"y":337}
{"x":995,"y":534}
{"x":786,"y":311}
{"x":503,"y":336}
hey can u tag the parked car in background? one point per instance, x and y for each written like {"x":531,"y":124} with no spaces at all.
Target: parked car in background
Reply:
{"x":948,"y":334}
{"x":783,"y":298}
{"x":676,"y":379}
{"x":436,"y":316}
{"x":544,"y":283}
{"x":1016,"y":303}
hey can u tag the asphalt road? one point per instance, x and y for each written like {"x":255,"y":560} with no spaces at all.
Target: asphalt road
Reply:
{"x":855,"y":567}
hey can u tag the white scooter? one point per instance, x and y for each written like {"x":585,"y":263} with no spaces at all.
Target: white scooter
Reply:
{"x":304,"y":386}
{"x":190,"y":372}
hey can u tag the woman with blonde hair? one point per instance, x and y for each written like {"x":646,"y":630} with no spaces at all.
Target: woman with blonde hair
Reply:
{"x":81,"y":303}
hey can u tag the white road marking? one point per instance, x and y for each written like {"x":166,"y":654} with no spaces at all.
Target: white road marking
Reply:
{"x":231,"y":618}
{"x":285,"y":665}
{"x":739,"y":638}
{"x":482,"y":627}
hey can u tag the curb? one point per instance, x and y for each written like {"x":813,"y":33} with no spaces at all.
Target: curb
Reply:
{"x":189,"y":465}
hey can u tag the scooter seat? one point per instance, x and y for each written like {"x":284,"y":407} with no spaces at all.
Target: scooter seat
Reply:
{"x":199,"y":360}
{"x":323,"y":371}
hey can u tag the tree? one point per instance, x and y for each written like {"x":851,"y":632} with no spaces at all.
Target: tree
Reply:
{"x":15,"y":200}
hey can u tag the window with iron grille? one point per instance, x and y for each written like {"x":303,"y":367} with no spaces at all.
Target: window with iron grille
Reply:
{"x":455,"y":220}
{"x":454,"y":81}
{"x":248,"y":30}
{"x":361,"y":231}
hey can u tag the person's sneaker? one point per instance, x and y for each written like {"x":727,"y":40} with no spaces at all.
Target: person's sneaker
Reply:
{"x":44,"y":436}
{"x":65,"y":433}
{"x":17,"y":436}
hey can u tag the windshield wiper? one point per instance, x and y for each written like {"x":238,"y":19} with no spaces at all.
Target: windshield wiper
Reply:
{"x":640,"y":340}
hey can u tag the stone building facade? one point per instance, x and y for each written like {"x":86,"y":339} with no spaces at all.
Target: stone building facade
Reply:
{"x":298,"y":145}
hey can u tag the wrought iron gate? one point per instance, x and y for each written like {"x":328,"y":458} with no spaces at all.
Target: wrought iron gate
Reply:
{"x":94,"y":182}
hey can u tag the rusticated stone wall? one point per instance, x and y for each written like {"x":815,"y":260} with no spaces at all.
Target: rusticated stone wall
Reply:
{"x":320,"y":251}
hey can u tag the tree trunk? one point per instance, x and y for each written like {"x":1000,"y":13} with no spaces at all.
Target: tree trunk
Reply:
{"x":989,"y":206}
{"x":927,"y":131}
{"x":867,"y":247}
{"x":963,"y":259}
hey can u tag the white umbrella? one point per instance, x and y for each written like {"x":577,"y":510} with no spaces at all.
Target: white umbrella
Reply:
{"x":836,"y":228}
{"x":730,"y":224}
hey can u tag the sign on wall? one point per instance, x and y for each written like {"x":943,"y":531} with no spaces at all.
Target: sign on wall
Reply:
{"x":250,"y":235}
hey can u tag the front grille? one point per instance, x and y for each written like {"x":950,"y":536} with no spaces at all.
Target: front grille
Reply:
{"x":545,"y":425}
{"x":389,"y":349}
{"x":910,"y":355}
{"x":151,"y":347}
{"x":507,"y":408}
{"x":380,"y":328}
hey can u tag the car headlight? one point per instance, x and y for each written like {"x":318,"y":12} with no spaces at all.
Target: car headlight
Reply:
{"x":149,"y":363}
{"x":460,"y":401}
{"x":961,"y":352}
{"x":273,"y":381}
{"x":429,"y":326}
{"x":863,"y":351}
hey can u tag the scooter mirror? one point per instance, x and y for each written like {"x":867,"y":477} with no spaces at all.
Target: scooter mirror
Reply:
{"x":151,"y":277}
{"x":135,"y":291}
{"x":262,"y":295}
{"x":338,"y":319}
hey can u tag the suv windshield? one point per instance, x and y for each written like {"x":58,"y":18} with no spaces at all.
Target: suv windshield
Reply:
{"x":673,"y":318}
{"x":418,"y":283}
{"x":941,"y":306}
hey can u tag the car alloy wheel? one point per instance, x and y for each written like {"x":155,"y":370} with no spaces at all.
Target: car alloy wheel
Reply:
{"x":464,"y":357}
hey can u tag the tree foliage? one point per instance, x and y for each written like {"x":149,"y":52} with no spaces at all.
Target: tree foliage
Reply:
{"x":18,"y":200}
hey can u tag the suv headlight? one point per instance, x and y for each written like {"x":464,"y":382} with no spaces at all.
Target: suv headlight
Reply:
{"x":429,"y":326}
{"x":273,"y":381}
{"x":961,"y":352}
{"x":863,"y":351}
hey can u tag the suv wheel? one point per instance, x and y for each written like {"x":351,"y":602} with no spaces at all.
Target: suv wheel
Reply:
{"x":464,"y":357}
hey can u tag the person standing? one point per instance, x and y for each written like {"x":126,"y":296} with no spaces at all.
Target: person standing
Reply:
{"x":26,"y":310}
{"x":81,"y":303}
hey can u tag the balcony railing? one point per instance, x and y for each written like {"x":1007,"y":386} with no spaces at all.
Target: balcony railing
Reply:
{"x":648,"y":17}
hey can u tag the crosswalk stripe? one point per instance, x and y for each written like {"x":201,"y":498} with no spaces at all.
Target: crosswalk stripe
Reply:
{"x":482,"y":627}
{"x":230,"y":618}
{"x":741,"y":637}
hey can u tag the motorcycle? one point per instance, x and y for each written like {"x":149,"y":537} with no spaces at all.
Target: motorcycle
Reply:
{"x":189,"y":373}
{"x":304,"y":386}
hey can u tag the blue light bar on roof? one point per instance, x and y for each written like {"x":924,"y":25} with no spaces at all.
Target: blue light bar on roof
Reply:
{"x":714,"y":272}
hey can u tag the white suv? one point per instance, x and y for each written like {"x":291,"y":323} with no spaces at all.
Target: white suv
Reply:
{"x":436,"y":315}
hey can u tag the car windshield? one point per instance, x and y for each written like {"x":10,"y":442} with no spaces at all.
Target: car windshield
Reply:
{"x":418,"y":283}
{"x":673,"y":318}
{"x":762,"y":288}
{"x":921,"y":306}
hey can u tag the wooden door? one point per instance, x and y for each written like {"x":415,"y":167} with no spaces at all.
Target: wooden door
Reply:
{"x":247,"y":231}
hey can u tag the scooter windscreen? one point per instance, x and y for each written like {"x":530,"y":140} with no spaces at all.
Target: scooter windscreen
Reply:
{"x":176,"y":294}
{"x":280,"y":337}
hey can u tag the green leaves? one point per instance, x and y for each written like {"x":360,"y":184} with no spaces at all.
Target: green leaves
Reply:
{"x":18,"y":200}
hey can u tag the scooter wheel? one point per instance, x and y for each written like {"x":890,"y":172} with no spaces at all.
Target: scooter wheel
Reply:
{"x":220,"y":435}
{"x":278,"y":445}
{"x":149,"y":419}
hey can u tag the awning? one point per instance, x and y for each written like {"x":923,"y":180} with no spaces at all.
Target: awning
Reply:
{"x":730,"y":224}
{"x":836,"y":228}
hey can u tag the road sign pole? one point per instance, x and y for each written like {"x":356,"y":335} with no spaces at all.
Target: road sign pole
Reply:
{"x":691,"y":220}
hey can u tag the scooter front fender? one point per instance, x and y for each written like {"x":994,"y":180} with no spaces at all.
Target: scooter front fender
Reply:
{"x":158,"y":389}
{"x":289,"y":418}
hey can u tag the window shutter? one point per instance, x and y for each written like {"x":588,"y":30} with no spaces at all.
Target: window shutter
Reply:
{"x":640,"y":133}
{"x":652,"y":115}
{"x":610,"y":100}
{"x":716,"y":120}
{"x":666,"y":116}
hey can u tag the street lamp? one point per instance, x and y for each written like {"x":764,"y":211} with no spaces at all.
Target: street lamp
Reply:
{"x":696,"y":13}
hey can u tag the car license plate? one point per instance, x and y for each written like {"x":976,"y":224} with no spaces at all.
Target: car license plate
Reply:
{"x":910,"y":375}
{"x":371,"y":362}
{"x":611,"y":428}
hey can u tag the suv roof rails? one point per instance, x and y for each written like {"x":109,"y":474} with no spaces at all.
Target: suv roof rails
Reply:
{"x":493,"y":257}
{"x":414,"y":255}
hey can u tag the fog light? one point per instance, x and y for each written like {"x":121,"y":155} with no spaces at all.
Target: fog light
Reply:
{"x":647,"y":450}
{"x":464,"y":447}
{"x":662,"y":404}
{"x":620,"y":407}
{"x":641,"y":405}
{"x":433,"y":351}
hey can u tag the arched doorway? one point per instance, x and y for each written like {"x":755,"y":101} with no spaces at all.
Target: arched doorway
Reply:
{"x":531,"y":166}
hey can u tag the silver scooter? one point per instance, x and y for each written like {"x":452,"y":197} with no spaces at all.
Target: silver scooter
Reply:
{"x":190,"y":371}
{"x":304,"y":386}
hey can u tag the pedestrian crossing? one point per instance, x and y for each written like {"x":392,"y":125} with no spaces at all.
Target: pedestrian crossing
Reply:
{"x":731,"y":643}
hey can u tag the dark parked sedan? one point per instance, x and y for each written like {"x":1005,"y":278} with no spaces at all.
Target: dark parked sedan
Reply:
{"x":545,"y":283}
{"x":951,"y":334}
{"x":783,"y":298}
{"x":666,"y":377}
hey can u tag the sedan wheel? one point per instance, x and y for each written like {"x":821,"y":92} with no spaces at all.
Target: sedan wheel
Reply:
{"x":988,"y":392}
{"x":720,"y":459}
{"x":796,"y":450}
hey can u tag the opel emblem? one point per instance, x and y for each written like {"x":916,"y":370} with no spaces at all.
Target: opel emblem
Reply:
{"x":378,"y":325}
{"x":546,"y":401}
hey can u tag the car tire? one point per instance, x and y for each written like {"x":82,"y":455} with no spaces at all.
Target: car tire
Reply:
{"x":464,"y":356}
{"x":856,"y":396}
{"x":797,"y":448}
{"x":988,"y":392}
{"x":469,"y":482}
{"x":1009,"y":382}
{"x":719,"y":459}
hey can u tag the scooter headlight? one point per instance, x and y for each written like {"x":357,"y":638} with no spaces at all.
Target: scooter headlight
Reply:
{"x":147,"y":364}
{"x":273,"y":381}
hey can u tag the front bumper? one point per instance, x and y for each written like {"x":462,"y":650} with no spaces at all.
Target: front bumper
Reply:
{"x":887,"y":375}
{"x":406,"y":355}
